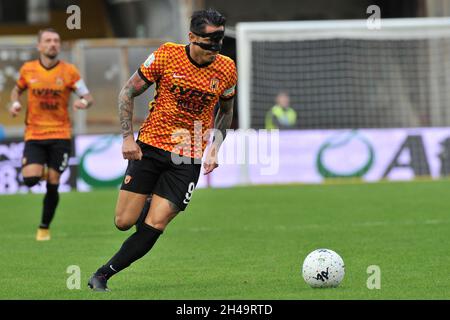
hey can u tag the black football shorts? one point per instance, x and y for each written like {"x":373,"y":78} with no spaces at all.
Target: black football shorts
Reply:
{"x":54,"y":153}
{"x":157,"y":173}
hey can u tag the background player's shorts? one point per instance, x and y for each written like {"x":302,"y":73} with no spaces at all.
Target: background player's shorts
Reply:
{"x":53,"y":152}
{"x":157,"y":174}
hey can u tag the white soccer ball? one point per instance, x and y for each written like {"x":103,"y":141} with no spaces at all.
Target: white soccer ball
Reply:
{"x":323,"y":268}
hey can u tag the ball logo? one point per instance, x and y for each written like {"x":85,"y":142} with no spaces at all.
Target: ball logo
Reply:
{"x":322,"y":276}
{"x":127,"y":179}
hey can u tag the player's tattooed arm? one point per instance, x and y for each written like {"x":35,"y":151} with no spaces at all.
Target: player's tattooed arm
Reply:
{"x":133,"y":88}
{"x":223,"y":120}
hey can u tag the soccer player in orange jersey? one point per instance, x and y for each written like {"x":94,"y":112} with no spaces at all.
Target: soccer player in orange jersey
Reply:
{"x":49,"y":82}
{"x":165,"y":161}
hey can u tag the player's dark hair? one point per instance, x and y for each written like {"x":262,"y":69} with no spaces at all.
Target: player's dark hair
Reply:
{"x":200,"y":19}
{"x":46,"y":30}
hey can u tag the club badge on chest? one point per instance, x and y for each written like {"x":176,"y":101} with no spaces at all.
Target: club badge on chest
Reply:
{"x":59,"y":81}
{"x":214,"y":84}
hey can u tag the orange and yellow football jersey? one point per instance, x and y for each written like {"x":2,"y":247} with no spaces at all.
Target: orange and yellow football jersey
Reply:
{"x":47,"y":115}
{"x":186,"y":93}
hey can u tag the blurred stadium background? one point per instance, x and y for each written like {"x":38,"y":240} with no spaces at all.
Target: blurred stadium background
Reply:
{"x":370,"y":105}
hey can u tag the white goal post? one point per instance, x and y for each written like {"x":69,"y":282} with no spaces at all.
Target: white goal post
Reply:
{"x":341,"y":74}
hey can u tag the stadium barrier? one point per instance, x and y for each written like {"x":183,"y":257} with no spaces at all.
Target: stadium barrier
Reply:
{"x":11,"y":181}
{"x":279,"y":157}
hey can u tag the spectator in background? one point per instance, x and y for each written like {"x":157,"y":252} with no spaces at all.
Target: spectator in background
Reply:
{"x":281,"y":115}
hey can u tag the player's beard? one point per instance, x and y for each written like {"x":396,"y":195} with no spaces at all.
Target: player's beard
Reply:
{"x":51,"y":55}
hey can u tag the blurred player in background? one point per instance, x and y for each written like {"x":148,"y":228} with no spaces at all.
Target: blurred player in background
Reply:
{"x":49,"y":82}
{"x":190,"y":80}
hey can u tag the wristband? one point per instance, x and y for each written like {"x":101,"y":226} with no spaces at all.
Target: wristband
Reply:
{"x":84,"y":101}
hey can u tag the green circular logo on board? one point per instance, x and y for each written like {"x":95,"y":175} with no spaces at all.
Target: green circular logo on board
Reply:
{"x":340,"y":141}
{"x":97,"y":147}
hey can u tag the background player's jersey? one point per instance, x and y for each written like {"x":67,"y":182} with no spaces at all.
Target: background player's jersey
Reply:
{"x":186,"y":94}
{"x":48,"y":95}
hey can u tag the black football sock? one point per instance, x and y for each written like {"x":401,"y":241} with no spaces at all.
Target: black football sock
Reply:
{"x":51,"y":200}
{"x":144,"y":212}
{"x":134,"y":248}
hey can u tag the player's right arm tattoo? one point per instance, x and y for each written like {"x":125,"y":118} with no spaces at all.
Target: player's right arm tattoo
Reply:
{"x":134,"y":87}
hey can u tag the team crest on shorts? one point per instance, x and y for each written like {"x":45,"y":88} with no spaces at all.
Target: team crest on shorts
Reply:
{"x":24,"y":161}
{"x":214,"y":84}
{"x":127,"y":179}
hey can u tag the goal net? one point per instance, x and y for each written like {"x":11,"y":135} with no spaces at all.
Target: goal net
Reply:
{"x":340,"y":74}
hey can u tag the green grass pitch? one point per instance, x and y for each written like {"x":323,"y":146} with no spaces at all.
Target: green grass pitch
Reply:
{"x":239,"y":243}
